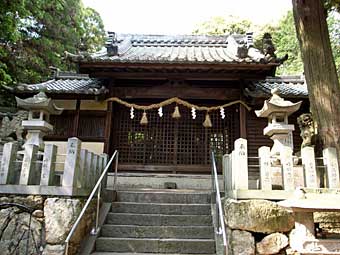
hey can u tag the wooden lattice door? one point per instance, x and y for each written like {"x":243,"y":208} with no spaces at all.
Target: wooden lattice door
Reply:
{"x":175,"y":145}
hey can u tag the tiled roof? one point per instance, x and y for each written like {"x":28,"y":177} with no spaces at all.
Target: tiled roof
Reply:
{"x":197,"y":49}
{"x":66,"y":83}
{"x":289,"y":86}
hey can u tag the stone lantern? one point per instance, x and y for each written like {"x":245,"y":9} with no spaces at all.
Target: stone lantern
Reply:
{"x":39,"y":110}
{"x":277,"y":110}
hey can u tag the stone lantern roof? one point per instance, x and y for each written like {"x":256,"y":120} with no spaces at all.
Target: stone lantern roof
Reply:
{"x":39,"y":102}
{"x":276,"y":104}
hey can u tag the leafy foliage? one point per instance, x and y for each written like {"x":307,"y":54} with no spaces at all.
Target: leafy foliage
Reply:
{"x":35,"y":34}
{"x":223,"y":25}
{"x":283,"y":34}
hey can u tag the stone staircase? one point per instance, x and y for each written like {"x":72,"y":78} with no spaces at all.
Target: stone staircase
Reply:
{"x":158,"y":221}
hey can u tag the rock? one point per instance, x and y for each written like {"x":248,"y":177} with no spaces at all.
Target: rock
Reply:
{"x":60,"y":215}
{"x":54,"y":249}
{"x":38,"y":214}
{"x":240,"y":242}
{"x":34,"y":202}
{"x":15,"y":231}
{"x":272,"y":244}
{"x":329,"y":222}
{"x":261,"y":216}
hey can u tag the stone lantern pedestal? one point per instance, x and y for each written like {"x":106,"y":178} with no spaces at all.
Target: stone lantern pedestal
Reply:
{"x":39,"y":110}
{"x":277,"y":110}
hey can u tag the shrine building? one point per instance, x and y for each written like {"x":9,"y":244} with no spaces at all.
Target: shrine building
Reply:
{"x":165,"y":102}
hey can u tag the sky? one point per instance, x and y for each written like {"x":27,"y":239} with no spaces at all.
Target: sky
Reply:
{"x":181,"y":16}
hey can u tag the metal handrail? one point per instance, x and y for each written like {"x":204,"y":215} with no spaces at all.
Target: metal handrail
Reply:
{"x":218,"y":212}
{"x":96,"y":187}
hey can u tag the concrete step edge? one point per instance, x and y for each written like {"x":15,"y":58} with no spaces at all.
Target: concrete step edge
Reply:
{"x":155,"y":239}
{"x":110,"y":214}
{"x":131,"y":253}
{"x":170,"y":204}
{"x":134,"y":226}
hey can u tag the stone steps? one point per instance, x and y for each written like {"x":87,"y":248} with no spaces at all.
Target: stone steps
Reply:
{"x":161,"y":208}
{"x":164,"y":196}
{"x":159,"y":222}
{"x":155,"y":245}
{"x":133,"y":231}
{"x":158,"y":219}
{"x":133,"y":253}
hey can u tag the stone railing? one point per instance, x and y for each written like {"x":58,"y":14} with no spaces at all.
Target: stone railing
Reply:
{"x":279,"y":175}
{"x":47,"y":173}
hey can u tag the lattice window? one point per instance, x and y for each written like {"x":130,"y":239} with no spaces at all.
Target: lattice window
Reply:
{"x":167,"y":141}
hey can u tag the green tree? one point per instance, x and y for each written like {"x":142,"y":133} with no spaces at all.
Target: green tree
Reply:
{"x":286,"y":42}
{"x":223,"y":25}
{"x":35,"y":34}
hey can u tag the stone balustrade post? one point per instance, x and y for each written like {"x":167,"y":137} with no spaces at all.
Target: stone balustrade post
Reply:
{"x":330,"y":160}
{"x":227,"y":172}
{"x":308,"y":162}
{"x":287,"y":165}
{"x":48,"y":165}
{"x":29,"y":173}
{"x":72,"y":168}
{"x":265,"y":168}
{"x":240,"y":164}
{"x":7,"y":167}
{"x":89,"y":172}
{"x":81,"y":182}
{"x":94,"y":167}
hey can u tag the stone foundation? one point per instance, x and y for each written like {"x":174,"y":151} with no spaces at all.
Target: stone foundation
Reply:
{"x":264,"y":227}
{"x":50,"y":220}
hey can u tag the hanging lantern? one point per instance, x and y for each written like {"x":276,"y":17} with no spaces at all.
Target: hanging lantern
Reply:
{"x":222,"y":113}
{"x":144,"y":119}
{"x":193,"y":113}
{"x":160,"y":112}
{"x":176,"y":113}
{"x":132,"y":114}
{"x":207,"y":121}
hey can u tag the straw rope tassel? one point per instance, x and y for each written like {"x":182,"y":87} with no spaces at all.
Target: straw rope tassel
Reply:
{"x":176,"y":114}
{"x":207,"y":121}
{"x":144,"y":119}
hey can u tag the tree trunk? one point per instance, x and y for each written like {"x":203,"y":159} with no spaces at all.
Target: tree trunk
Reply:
{"x":320,"y":71}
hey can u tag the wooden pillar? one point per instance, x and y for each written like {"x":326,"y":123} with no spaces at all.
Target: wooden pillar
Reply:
{"x":76,"y":119}
{"x":108,"y":127}
{"x":243,"y":121}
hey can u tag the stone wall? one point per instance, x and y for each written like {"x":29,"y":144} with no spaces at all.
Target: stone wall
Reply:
{"x":264,"y":227}
{"x":257,"y":227}
{"x":51,"y":221}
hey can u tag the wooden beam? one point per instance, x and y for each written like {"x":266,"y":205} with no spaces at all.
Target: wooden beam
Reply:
{"x":185,"y":92}
{"x":256,"y":74}
{"x":76,"y":119}
{"x":108,"y":125}
{"x":243,"y":121}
